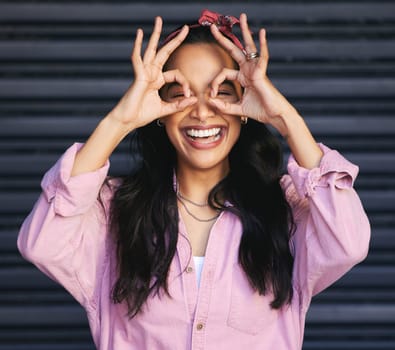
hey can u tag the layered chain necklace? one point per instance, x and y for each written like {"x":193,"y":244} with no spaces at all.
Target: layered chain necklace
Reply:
{"x":184,"y":199}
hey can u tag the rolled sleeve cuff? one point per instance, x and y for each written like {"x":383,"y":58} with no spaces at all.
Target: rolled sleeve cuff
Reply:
{"x":334,"y":169}
{"x":72,"y":195}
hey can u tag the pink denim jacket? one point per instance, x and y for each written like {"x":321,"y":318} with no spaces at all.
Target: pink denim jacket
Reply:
{"x":66,"y":236}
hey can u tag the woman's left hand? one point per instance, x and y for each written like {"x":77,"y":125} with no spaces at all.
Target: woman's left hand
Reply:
{"x":261,"y":100}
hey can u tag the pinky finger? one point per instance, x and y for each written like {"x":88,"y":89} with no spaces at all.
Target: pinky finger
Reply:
{"x":263,"y":45}
{"x":136,"y":53}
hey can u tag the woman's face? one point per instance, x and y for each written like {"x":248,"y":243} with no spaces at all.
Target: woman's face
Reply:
{"x":201,"y":135}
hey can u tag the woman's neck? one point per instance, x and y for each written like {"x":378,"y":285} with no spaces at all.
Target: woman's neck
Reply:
{"x":196,"y":185}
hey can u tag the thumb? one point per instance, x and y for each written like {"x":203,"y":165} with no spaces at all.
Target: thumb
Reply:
{"x":178,"y":106}
{"x":226,"y":107}
{"x":217,"y":103}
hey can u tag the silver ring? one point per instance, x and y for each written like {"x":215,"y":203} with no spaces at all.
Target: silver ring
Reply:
{"x":252,"y":55}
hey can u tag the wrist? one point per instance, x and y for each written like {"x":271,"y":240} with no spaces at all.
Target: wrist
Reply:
{"x":115,"y":128}
{"x":288,"y":122}
{"x":301,"y":142}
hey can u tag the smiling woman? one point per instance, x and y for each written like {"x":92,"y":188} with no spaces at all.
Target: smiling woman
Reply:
{"x":209,"y":189}
{"x":201,"y":134}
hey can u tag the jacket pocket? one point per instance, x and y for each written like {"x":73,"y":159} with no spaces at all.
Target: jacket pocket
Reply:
{"x":249,"y":312}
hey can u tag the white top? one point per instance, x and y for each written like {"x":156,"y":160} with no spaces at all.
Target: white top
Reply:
{"x":199,"y":260}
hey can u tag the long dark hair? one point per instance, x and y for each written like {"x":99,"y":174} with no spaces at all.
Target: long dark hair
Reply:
{"x":144,"y":214}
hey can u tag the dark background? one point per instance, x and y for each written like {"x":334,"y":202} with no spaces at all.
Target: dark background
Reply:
{"x":64,"y":64}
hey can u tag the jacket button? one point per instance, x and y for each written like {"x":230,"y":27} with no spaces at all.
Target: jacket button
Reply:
{"x":189,"y":269}
{"x":199,"y":326}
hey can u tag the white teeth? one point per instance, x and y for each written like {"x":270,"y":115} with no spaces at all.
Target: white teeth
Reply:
{"x":203,"y":133}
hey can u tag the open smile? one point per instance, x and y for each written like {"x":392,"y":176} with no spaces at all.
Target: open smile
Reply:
{"x":204,"y":138}
{"x":204,"y":135}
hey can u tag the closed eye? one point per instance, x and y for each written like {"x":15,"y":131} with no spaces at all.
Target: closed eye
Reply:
{"x":177,"y":95}
{"x":228,"y":91}
{"x":225,"y":92}
{"x":173,"y":91}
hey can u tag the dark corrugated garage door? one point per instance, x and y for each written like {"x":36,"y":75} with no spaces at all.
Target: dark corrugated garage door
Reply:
{"x":63,"y":64}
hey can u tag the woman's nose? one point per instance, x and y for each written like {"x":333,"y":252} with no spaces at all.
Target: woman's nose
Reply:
{"x":202,"y":110}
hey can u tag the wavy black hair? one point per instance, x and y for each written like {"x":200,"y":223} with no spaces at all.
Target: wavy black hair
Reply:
{"x":144,"y":213}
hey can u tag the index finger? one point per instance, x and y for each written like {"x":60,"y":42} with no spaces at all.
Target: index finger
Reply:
{"x":165,"y":51}
{"x":175,"y":76}
{"x":228,"y":45}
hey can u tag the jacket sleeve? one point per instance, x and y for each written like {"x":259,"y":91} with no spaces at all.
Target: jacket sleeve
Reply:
{"x":65,"y":234}
{"x":332,"y":229}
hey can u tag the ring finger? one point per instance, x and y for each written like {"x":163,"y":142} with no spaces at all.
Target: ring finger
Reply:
{"x":249,"y":43}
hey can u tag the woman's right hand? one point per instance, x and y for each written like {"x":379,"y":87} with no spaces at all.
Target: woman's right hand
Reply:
{"x":142,"y":103}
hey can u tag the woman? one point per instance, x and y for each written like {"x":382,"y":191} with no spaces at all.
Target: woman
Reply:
{"x":205,"y":245}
